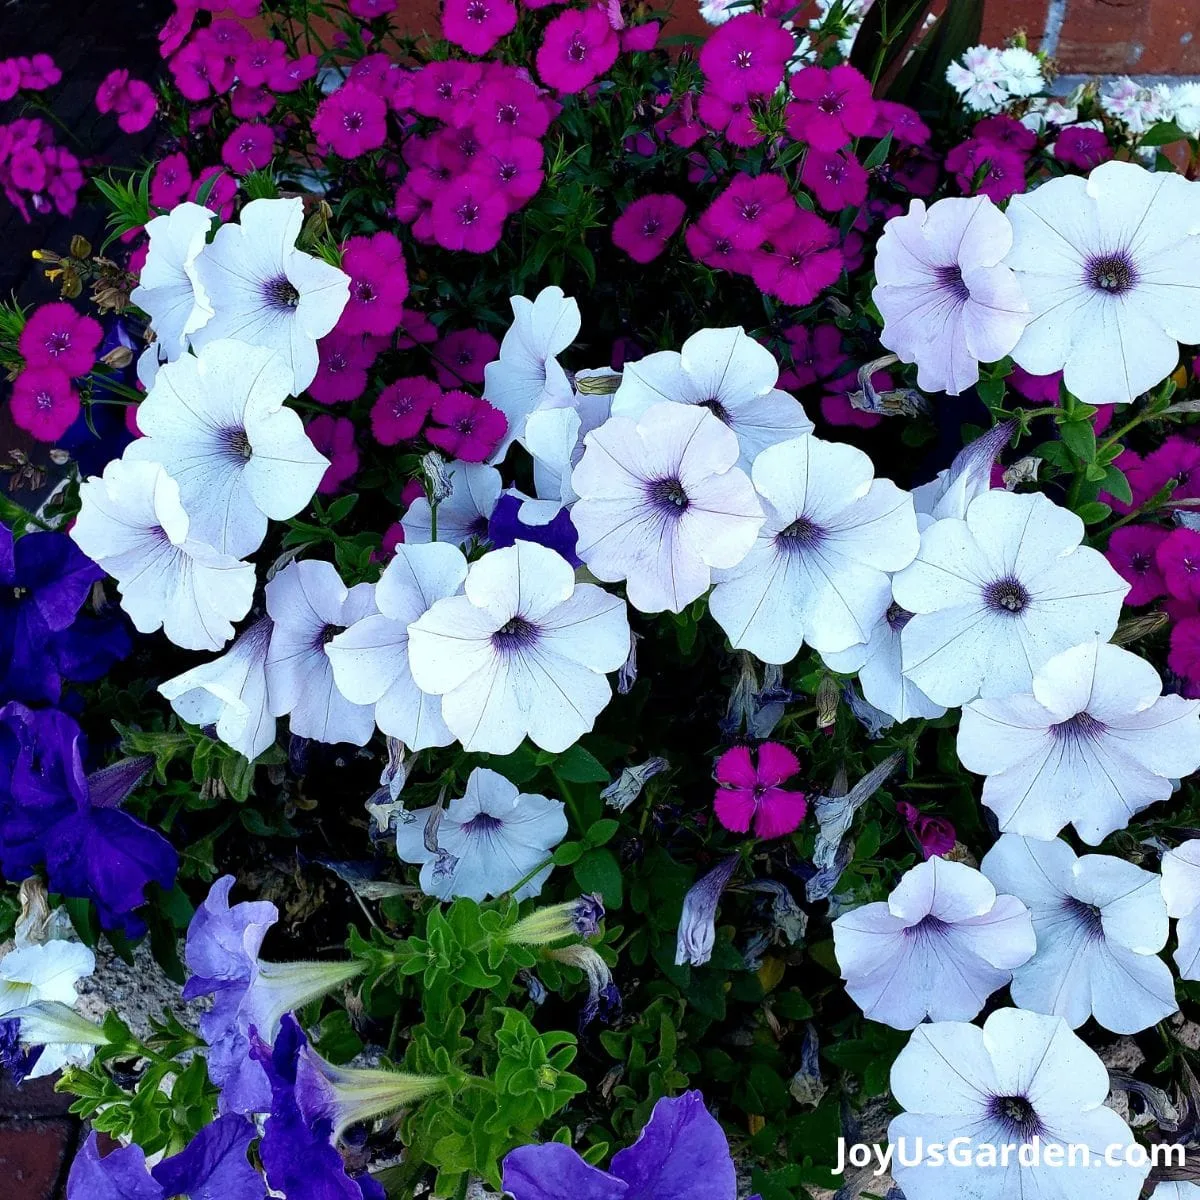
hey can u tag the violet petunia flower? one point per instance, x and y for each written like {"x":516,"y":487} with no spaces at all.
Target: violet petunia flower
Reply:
{"x":44,"y":582}
{"x":213,"y":1164}
{"x":51,"y":811}
{"x":223,"y":942}
{"x":681,"y":1154}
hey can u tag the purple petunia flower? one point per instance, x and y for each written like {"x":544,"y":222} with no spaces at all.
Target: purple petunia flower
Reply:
{"x":213,"y":1164}
{"x":682,"y":1154}
{"x":44,"y":581}
{"x":51,"y":811}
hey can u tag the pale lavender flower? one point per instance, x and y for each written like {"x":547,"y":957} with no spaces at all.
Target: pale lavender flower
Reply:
{"x":947,"y":301}
{"x":698,"y":921}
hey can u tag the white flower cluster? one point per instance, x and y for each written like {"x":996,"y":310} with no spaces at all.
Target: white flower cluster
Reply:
{"x":1093,"y":277}
{"x":988,"y":79}
{"x":1138,"y":106}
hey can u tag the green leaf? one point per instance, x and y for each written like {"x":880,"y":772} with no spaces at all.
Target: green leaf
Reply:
{"x":602,"y":831}
{"x":1093,"y":512}
{"x":568,"y":853}
{"x":1080,"y":438}
{"x":1117,"y":485}
{"x":880,"y":153}
{"x":599,"y":871}
{"x":1163,"y":134}
{"x":578,"y":765}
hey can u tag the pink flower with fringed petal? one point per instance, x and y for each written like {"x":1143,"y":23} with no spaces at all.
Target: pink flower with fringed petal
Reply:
{"x":751,"y":792}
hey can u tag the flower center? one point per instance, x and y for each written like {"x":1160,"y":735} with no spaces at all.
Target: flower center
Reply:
{"x":897,"y":617}
{"x":1006,"y":596}
{"x":477,"y":12}
{"x":468,"y":212}
{"x":1016,"y":1115}
{"x":950,"y":280}
{"x":483,"y":823}
{"x":352,"y":122}
{"x":515,"y":634}
{"x":58,"y":342}
{"x":281,"y":292}
{"x":928,"y":926}
{"x":801,"y":534}
{"x":743,"y":59}
{"x":1087,"y":916}
{"x":1079,"y":728}
{"x":508,"y":114}
{"x":44,"y":400}
{"x":830,"y":103}
{"x":577,"y":50}
{"x":1139,"y":563}
{"x":650,"y":226}
{"x":238,"y":443}
{"x":669,"y":497}
{"x":717,"y":409}
{"x":1111,"y":273}
{"x":329,"y":632}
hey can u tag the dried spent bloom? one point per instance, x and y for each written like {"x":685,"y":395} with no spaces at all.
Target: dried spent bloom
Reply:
{"x":698,"y":920}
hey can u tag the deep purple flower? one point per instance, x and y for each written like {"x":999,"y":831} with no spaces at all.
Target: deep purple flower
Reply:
{"x":51,"y":811}
{"x":121,"y":1175}
{"x":505,"y":527}
{"x":16,"y":1060}
{"x":682,"y":1154}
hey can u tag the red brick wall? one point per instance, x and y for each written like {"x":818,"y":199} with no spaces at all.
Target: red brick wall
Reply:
{"x":1097,"y":36}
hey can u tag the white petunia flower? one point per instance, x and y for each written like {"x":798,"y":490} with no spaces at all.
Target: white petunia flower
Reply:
{"x":266,"y":292}
{"x":169,"y":290}
{"x":132,"y":523}
{"x":486,"y":842}
{"x":1100,"y":923}
{"x":939,"y":947}
{"x":1108,"y":265}
{"x":370,"y":658}
{"x":1094,"y":743}
{"x":979,"y":78}
{"x":1181,"y":891}
{"x":948,"y":302}
{"x":818,"y":570}
{"x":47,"y":972}
{"x":524,"y":651}
{"x":462,"y":518}
{"x":661,"y":503}
{"x":217,"y":424}
{"x":997,"y":594}
{"x":310,"y":605}
{"x":1022,"y":71}
{"x":726,"y":372}
{"x":878,"y":663}
{"x":230,"y":692}
{"x":1022,"y":1076}
{"x":527,"y":375}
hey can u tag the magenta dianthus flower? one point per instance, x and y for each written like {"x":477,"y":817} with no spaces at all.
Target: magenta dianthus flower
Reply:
{"x":751,"y":209}
{"x":468,"y":214}
{"x":400,"y":412}
{"x":58,"y":336}
{"x":43,"y":402}
{"x":1178,"y":559}
{"x":837,"y":179}
{"x":577,"y":48}
{"x":249,"y":147}
{"x":800,"y":262}
{"x":477,"y":25}
{"x":345,"y":359}
{"x":646,"y":225}
{"x":171,"y":181}
{"x":750,"y":791}
{"x":334,"y":438}
{"x":1132,"y":551}
{"x":746,"y":57}
{"x":829,"y":108}
{"x":732,"y":118}
{"x":466,"y":427}
{"x":460,"y":357}
{"x":1082,"y":148}
{"x":351,"y":121}
{"x":990,"y":169}
{"x":378,"y":284}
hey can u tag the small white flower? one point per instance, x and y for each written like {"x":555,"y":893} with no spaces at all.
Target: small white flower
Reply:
{"x":939,"y":947}
{"x":527,"y":375}
{"x":266,"y":292}
{"x":1094,"y":743}
{"x":1100,"y":923}
{"x":717,"y":12}
{"x":487,"y":841}
{"x":1181,"y":890}
{"x":132,"y":523}
{"x":948,"y":302}
{"x":979,"y":78}
{"x":1108,"y":265}
{"x":1022,"y":71}
{"x":1185,"y":101}
{"x":726,"y":372}
{"x":997,"y":594}
{"x":1135,"y":106}
{"x":47,"y":972}
{"x":310,"y":605}
{"x":217,"y":424}
{"x":230,"y":692}
{"x":1021,"y":1076}
{"x":169,"y":290}
{"x":818,"y":571}
{"x":661,"y":503}
{"x":462,"y":517}
{"x":524,"y":651}
{"x":878,"y":663}
{"x":370,"y":658}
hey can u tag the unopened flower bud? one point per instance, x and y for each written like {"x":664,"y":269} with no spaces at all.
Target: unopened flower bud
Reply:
{"x":119,"y":357}
{"x":828,"y":695}
{"x":575,"y":918}
{"x":80,"y":247}
{"x":437,"y":479}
